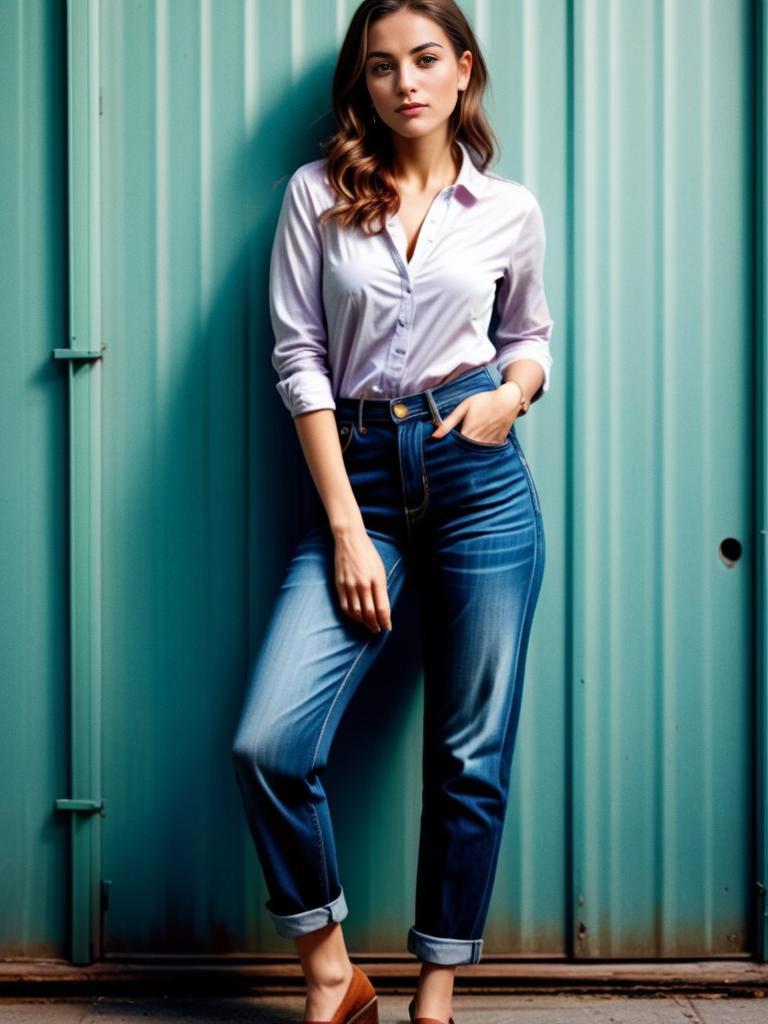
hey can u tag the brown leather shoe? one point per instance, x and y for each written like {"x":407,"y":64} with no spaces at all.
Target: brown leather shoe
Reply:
{"x":424,"y":1020}
{"x":359,"y":1005}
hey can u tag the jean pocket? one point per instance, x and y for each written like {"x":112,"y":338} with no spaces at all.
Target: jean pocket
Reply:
{"x":480,"y":446}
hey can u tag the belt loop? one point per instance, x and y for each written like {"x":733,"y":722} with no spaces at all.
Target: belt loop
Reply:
{"x":360,"y":427}
{"x":437,"y":419}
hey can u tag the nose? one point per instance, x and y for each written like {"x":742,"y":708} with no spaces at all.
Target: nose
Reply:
{"x":404,"y":85}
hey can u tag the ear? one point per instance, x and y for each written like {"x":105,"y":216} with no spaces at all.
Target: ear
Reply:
{"x":465,"y":68}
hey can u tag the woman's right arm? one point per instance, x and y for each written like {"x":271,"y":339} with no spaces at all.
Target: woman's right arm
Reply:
{"x":300,"y":357}
{"x":361,"y":581}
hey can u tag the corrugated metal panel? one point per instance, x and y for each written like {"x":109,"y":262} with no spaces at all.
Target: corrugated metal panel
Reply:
{"x":629,"y":831}
{"x":760,"y":463}
{"x":659,"y":454}
{"x":33,"y":488}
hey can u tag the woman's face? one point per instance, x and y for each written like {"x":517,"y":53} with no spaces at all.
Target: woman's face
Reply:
{"x":430,"y":75}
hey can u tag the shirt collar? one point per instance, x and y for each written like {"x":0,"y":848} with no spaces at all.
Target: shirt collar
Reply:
{"x":470,"y":178}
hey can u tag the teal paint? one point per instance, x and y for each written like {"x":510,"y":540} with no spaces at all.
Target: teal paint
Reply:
{"x":761,"y":476}
{"x":34,"y":599}
{"x":632,"y":814}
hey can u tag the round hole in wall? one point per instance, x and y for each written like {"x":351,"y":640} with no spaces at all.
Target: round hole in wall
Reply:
{"x":730,"y":551}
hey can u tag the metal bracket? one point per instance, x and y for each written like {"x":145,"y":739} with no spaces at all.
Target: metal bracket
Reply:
{"x":80,"y":806}
{"x":79,"y":353}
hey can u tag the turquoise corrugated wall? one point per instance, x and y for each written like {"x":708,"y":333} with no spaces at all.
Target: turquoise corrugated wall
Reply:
{"x":152,"y":489}
{"x":34,"y":678}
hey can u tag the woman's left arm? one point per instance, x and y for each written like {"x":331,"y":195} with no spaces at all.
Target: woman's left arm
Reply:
{"x":522,"y":341}
{"x":525,"y":321}
{"x":526,"y":378}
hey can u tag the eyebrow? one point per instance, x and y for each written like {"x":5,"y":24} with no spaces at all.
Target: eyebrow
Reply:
{"x":383,"y":53}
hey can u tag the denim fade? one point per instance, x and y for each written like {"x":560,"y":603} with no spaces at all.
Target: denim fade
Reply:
{"x":463,"y":519}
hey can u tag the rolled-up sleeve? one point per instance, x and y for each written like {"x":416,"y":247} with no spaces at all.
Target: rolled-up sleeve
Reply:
{"x":525,"y":324}
{"x":300,"y":352}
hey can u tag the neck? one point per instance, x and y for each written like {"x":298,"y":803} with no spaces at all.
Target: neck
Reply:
{"x":421,"y":164}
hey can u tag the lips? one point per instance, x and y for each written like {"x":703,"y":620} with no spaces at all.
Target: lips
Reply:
{"x":411,"y":106}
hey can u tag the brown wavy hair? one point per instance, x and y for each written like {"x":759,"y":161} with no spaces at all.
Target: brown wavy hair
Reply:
{"x":359,"y":154}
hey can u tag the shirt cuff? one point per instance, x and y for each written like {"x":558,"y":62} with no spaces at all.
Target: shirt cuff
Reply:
{"x":305,"y":391}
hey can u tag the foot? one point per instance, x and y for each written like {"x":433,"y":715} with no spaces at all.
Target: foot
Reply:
{"x":323,"y":1001}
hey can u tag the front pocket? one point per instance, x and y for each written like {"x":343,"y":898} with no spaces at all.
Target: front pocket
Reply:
{"x":479,"y":446}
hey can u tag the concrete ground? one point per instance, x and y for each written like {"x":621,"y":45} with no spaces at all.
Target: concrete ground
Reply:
{"x":667,"y":1008}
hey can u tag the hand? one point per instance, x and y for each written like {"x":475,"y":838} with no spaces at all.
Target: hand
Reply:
{"x":489,"y":416}
{"x":361,"y":580}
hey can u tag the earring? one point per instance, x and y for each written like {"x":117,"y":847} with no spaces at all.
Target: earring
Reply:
{"x":373,"y":115}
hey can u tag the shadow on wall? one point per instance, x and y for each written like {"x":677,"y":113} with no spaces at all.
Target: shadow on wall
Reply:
{"x":206,"y":494}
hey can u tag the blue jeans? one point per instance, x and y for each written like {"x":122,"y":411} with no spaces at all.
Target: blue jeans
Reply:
{"x":462,"y":517}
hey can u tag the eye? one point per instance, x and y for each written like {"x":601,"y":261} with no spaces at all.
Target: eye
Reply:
{"x":427,"y":56}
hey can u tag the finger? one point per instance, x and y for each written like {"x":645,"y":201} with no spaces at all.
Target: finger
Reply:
{"x":341,"y":590}
{"x":449,"y":421}
{"x":381,"y":601}
{"x":369,"y":612}
{"x":353,"y":603}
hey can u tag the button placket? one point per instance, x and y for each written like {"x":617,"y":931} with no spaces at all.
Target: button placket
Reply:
{"x":395,"y":361}
{"x":433,"y":222}
{"x":404,"y":321}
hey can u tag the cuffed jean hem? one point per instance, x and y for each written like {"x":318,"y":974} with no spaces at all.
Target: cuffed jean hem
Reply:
{"x":292,"y":925}
{"x":444,"y":951}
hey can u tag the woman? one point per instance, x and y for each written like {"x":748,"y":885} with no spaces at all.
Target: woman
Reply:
{"x":390,"y":256}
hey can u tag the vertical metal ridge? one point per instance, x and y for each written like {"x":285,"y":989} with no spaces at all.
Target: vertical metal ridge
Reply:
{"x":709,"y":251}
{"x":665,"y":847}
{"x":85,"y":478}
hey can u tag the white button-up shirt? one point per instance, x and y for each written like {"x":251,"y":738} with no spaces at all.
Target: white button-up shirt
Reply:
{"x":353,"y":317}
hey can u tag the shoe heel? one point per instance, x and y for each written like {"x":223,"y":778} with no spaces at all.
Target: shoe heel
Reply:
{"x":368,"y":1014}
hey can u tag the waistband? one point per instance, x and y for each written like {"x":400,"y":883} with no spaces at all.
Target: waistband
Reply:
{"x":431,"y":402}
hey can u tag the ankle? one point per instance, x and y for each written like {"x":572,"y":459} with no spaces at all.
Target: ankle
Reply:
{"x":326,"y":979}
{"x":434,"y":994}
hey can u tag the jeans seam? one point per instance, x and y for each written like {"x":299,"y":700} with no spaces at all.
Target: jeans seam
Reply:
{"x":415,"y":513}
{"x":323,"y":860}
{"x":528,"y":477}
{"x":418,"y":512}
{"x":336,"y":696}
